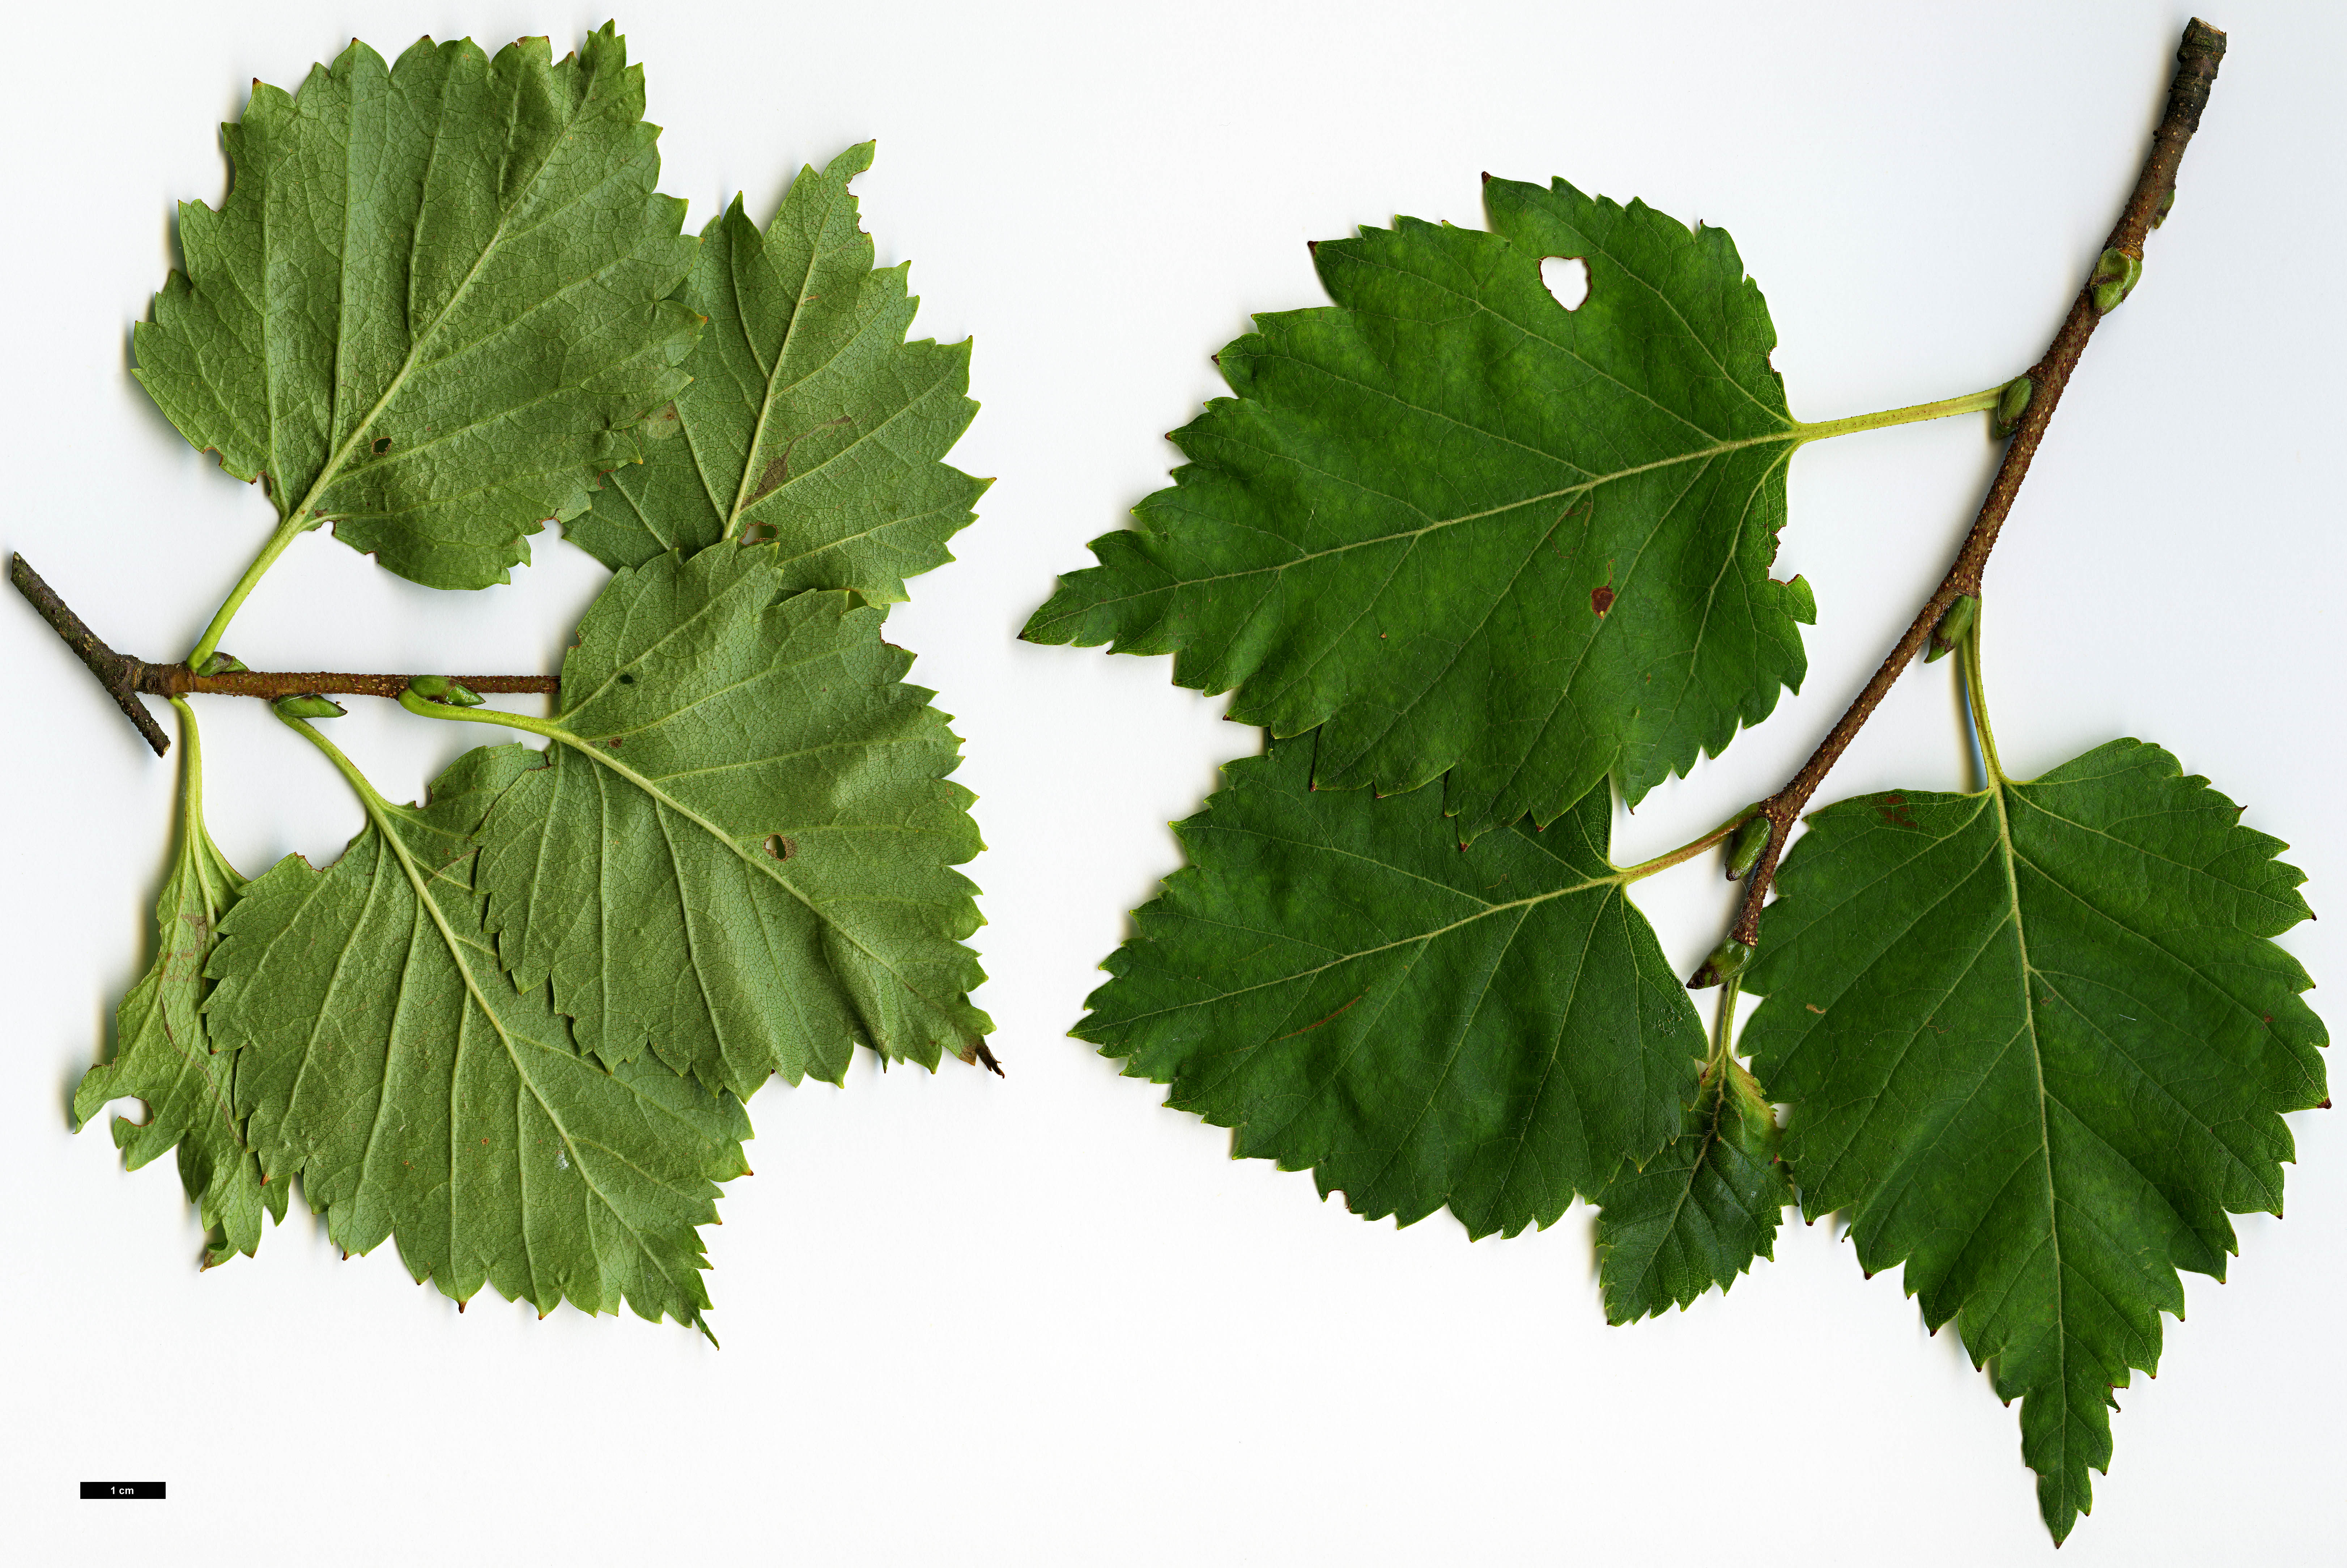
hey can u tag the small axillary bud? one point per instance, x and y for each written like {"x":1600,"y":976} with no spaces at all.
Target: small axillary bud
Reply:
{"x":1953,"y":626}
{"x":309,"y":705}
{"x":1727,"y":962}
{"x":222,"y":664}
{"x":2006,"y":418}
{"x":1744,"y":850}
{"x":440,"y":689}
{"x":2115,"y":276}
{"x":2166,"y":204}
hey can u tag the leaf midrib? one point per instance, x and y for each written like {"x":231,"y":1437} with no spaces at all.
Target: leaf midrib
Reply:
{"x":1997,"y":786}
{"x":1701,"y":454}
{"x":1611,"y":879}
{"x":571,"y":1144}
{"x":765,"y":867}
{"x":773,"y":375}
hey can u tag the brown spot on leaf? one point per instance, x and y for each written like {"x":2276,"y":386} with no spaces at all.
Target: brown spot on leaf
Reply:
{"x":771,"y":478}
{"x":778,"y":846}
{"x":1894,"y":811}
{"x":1601,"y":598}
{"x":1815,"y":1009}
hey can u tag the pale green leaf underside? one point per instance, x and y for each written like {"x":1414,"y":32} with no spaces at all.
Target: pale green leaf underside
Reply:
{"x":384,"y":1059}
{"x":1495,"y":1029}
{"x":1462,"y":530}
{"x":1699,"y":1212}
{"x":432,"y":306}
{"x":2037,"y":1044}
{"x":164,"y":1055}
{"x":741,"y":850}
{"x":811,"y":422}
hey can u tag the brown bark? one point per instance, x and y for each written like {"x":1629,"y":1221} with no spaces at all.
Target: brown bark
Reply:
{"x":2197,"y":60}
{"x":125,"y":678}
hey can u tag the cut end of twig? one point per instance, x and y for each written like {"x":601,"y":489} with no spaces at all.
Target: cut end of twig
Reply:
{"x":2201,"y":42}
{"x":117,"y":672}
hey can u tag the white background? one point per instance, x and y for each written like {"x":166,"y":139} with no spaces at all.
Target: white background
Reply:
{"x":1043,"y":1321}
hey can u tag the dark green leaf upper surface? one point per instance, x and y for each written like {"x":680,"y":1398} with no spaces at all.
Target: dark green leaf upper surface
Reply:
{"x":432,"y":306}
{"x":1700,"y":1210}
{"x":1461,"y":527}
{"x":741,"y":849}
{"x":1495,"y":1029}
{"x":2038,"y":1044}
{"x":810,"y":421}
{"x":165,"y":1054}
{"x":385,"y":1058}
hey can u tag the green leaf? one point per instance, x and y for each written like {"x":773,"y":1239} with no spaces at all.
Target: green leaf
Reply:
{"x":1462,"y":528}
{"x":384,"y":1059}
{"x":741,"y":848}
{"x":2038,"y":1045}
{"x":1334,"y":979}
{"x":810,"y":421}
{"x":432,"y":306}
{"x":165,"y":1055}
{"x":1700,"y":1210}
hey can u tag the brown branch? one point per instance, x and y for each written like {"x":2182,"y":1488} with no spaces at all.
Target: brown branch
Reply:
{"x":2188,"y":95}
{"x":178,"y":681}
{"x":117,"y":672}
{"x":125,"y":677}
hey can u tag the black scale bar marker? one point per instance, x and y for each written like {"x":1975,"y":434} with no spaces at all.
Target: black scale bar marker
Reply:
{"x":111,"y":1488}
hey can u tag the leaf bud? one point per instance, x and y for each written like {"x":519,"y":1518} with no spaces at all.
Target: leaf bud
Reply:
{"x":221,"y":664}
{"x":2115,"y":276}
{"x":1726,"y":961}
{"x":2009,"y":406}
{"x":440,"y":689}
{"x":1744,"y":850}
{"x":1953,"y":624}
{"x":2166,"y":205}
{"x":309,"y":705}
